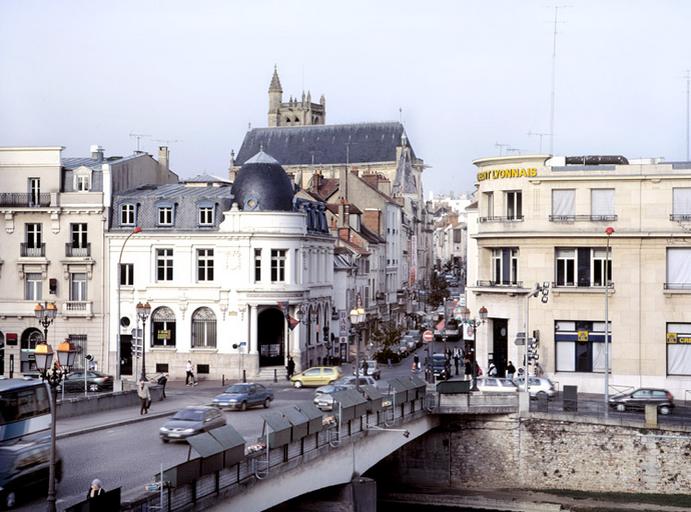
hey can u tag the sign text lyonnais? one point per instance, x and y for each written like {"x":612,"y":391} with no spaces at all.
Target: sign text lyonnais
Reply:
{"x":506,"y":173}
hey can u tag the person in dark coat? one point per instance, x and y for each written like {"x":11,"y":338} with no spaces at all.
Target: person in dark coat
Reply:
{"x":162,"y":380}
{"x":290,"y":367}
{"x":95,"y":490}
{"x":468,"y":369}
{"x":510,"y":370}
{"x":456,"y":362}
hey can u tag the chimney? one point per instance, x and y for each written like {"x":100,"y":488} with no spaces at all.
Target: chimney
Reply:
{"x":96,"y":152}
{"x":164,"y":157}
{"x":341,"y":214}
{"x":372,"y":220}
{"x":316,"y":181}
{"x":343,"y":234}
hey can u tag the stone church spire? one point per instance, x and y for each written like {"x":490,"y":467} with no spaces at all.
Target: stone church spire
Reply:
{"x":275,"y":85}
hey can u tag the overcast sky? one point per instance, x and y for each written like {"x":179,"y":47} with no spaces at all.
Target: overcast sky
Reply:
{"x":467,"y":75}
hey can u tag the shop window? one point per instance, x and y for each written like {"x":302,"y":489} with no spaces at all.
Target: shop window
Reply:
{"x":163,"y":327}
{"x":580,"y":347}
{"x":203,"y":328}
{"x":678,"y":349}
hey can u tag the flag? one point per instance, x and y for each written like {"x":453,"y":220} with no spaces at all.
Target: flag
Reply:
{"x":292,"y":322}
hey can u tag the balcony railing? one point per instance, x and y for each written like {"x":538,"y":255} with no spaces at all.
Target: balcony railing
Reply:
{"x":582,"y":218}
{"x":680,"y":217}
{"x":24,"y":200}
{"x":581,"y":284}
{"x":77,"y":308}
{"x":677,"y":286}
{"x":515,"y":218}
{"x":32,"y":252}
{"x":497,"y":284}
{"x":72,"y":251}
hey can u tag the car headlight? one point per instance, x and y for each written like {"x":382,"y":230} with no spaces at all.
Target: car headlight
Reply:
{"x":188,"y":431}
{"x":232,"y":400}
{"x":163,"y":429}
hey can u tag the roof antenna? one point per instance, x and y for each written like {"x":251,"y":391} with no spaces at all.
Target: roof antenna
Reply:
{"x":554,"y":78}
{"x":400,"y":115}
{"x":688,"y":77}
{"x":249,"y":127}
{"x":139,"y":137}
{"x":167,"y":142}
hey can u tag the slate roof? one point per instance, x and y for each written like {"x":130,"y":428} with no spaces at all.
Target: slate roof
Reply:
{"x":205,"y":178}
{"x":74,"y":162}
{"x":297,"y":145}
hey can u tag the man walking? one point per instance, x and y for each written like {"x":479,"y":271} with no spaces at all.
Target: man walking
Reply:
{"x":510,"y":370}
{"x":456,"y":361}
{"x":144,"y":397}
{"x":189,"y":376}
{"x":290,"y":367}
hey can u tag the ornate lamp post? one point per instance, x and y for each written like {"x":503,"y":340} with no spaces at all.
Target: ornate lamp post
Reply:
{"x":54,"y":372}
{"x":45,"y":314}
{"x":357,"y":318}
{"x":474,"y":323}
{"x":117,"y":323}
{"x":608,"y":232}
{"x":143,"y":312}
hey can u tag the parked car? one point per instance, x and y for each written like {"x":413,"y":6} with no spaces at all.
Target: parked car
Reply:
{"x":190,"y":421}
{"x":24,"y":471}
{"x":349,"y":381}
{"x":323,"y":396}
{"x":244,"y":395}
{"x":372,"y":369}
{"x":416,"y":335}
{"x":403,"y":349}
{"x":537,"y":386}
{"x":95,"y":381}
{"x":440,"y":366}
{"x":410,"y":343}
{"x":317,"y":376}
{"x":639,"y":398}
{"x":496,"y":385}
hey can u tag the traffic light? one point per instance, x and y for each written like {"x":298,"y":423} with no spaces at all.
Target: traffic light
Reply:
{"x":533,"y":346}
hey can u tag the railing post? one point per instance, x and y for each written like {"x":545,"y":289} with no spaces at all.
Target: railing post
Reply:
{"x":244,"y":375}
{"x":275,"y":375}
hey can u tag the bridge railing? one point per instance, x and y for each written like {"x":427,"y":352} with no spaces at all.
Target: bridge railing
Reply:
{"x":289,"y":436}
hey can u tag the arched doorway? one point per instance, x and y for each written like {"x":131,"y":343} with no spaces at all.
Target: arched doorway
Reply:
{"x":270,"y":337}
{"x":30,"y":337}
{"x":162,"y":327}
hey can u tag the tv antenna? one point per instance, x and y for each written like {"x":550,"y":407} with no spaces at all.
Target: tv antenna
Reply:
{"x":554,"y":77}
{"x":501,"y":147}
{"x":167,"y":142}
{"x":688,"y":78}
{"x":513,"y":150}
{"x":537,"y":134}
{"x":139,"y":137}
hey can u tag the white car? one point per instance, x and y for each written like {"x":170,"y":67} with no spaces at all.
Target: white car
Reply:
{"x":537,"y":386}
{"x":496,"y":385}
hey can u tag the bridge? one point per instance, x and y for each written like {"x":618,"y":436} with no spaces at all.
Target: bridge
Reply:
{"x":303,"y":450}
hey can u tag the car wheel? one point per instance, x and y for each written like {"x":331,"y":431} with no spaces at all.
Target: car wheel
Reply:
{"x":665,"y":410}
{"x":621,"y":407}
{"x":243,"y":406}
{"x":267,"y":402}
{"x":165,"y":440}
{"x":10,"y":499}
{"x":297,"y":384}
{"x":541,"y":394}
{"x":331,"y":382}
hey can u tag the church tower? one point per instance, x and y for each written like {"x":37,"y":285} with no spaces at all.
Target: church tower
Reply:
{"x":294,"y":112}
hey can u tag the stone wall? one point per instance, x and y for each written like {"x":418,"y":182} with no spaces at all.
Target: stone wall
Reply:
{"x":540,"y":453}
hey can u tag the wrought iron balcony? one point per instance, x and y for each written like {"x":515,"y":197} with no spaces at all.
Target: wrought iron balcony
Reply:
{"x":685,"y":217}
{"x":32,"y":252}
{"x":497,"y":284}
{"x":581,"y":284}
{"x":677,"y":286}
{"x":582,"y":218}
{"x":72,"y":251}
{"x":24,"y":200}
{"x":515,"y":218}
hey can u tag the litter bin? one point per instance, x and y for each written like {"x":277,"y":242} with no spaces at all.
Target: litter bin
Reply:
{"x":570,"y":398}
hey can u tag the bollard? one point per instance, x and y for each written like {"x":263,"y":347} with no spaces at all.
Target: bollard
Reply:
{"x":223,"y":380}
{"x":275,"y":375}
{"x":244,"y":376}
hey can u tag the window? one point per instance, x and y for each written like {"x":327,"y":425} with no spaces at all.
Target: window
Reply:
{"x":78,"y":286}
{"x":563,"y":204}
{"x":33,"y":286}
{"x":165,"y":215}
{"x":127,"y":215}
{"x":81,"y":183}
{"x":505,"y":266}
{"x":602,"y":204}
{"x":278,"y":265}
{"x":205,"y":264}
{"x":257,"y":265}
{"x":681,"y":204}
{"x":162,"y":328}
{"x":126,"y":274}
{"x":679,"y":269}
{"x":489,"y":204}
{"x":34,"y":191}
{"x":599,"y":261}
{"x":514,"y":205}
{"x":34,"y":237}
{"x":79,"y":236}
{"x":164,"y":264}
{"x":206,"y":215}
{"x":79,"y":340}
{"x":566,"y":267}
{"x":203,"y":328}
{"x":580,"y":346}
{"x":678,"y":349}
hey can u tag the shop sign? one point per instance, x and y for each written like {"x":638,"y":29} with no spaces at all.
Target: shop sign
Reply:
{"x":497,"y":174}
{"x":582,"y":337}
{"x":673,"y":337}
{"x":163,"y":334}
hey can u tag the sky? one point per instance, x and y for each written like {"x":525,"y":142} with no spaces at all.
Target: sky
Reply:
{"x":466,"y":78}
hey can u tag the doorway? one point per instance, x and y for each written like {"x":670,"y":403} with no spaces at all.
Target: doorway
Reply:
{"x":271,"y":337}
{"x":500,"y":350}
{"x":125,"y":354}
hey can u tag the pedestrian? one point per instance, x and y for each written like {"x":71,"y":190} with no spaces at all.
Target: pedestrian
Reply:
{"x":189,"y":375}
{"x":95,"y":490}
{"x":365,"y":367}
{"x":456,"y":361}
{"x":492,"y":369}
{"x":290,"y":367}
{"x":478,"y":370}
{"x":388,"y":363}
{"x":468,"y":369}
{"x":162,"y":380}
{"x":144,"y":397}
{"x":510,"y":370}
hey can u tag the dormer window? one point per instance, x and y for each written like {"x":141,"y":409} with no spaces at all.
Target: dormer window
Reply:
{"x":127,"y":215}
{"x":82,"y":179}
{"x":165,"y":213}
{"x":205,"y":214}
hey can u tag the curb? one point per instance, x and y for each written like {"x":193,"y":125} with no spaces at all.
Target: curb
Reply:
{"x":96,"y":428}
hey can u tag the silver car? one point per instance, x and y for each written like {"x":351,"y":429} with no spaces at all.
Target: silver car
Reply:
{"x":190,"y":421}
{"x":537,"y":386}
{"x":496,"y":385}
{"x":323,"y":396}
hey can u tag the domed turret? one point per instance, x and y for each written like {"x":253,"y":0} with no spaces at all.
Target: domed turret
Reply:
{"x":263,"y":185}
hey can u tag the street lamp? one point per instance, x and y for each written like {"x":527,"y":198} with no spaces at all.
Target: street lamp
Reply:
{"x":143,"y":311}
{"x":474,"y":323}
{"x":357,"y":318}
{"x":609,"y":232}
{"x":45,"y":314}
{"x":119,"y":277}
{"x":54,"y":372}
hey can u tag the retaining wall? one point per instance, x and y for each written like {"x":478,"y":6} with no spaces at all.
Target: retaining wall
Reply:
{"x":77,"y":406}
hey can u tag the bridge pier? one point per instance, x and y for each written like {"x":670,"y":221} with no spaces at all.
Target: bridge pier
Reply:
{"x":360,"y":495}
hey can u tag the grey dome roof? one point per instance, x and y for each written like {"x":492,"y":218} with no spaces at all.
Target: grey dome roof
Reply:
{"x":263,"y":185}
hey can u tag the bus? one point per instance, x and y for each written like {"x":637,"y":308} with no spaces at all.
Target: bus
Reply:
{"x":25,"y":420}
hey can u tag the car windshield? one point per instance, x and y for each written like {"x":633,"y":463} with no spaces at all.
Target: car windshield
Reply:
{"x":189,"y":415}
{"x":238,"y":388}
{"x":438,"y":358}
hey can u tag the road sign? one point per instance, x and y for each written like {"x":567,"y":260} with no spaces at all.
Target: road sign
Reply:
{"x":428,"y":336}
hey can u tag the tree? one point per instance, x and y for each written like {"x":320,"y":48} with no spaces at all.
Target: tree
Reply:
{"x":439,"y":291}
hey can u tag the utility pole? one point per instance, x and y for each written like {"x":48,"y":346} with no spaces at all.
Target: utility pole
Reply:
{"x":554,"y":79}
{"x":139,"y":137}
